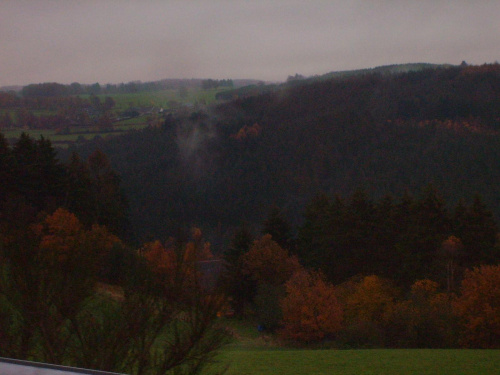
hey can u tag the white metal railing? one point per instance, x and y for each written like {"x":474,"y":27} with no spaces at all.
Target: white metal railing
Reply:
{"x":10,"y":366}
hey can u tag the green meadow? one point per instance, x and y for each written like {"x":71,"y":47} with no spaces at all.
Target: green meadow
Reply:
{"x":167,"y":99}
{"x":253,"y":353}
{"x":361,"y":362}
{"x":162,"y":98}
{"x":76,"y":134}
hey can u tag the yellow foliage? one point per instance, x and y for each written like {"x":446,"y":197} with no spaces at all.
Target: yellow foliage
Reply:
{"x":370,"y":299}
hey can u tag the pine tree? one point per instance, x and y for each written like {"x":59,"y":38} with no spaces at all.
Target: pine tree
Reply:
{"x":6,"y":168}
{"x":278,"y":227}
{"x":238,"y":285}
{"x":476,"y":228}
{"x":313,"y":237}
{"x":111,"y":207}
{"x":79,"y":197}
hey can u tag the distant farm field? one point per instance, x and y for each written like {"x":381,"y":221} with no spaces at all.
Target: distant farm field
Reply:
{"x":361,"y":362}
{"x":77,"y":134}
{"x":162,"y":98}
{"x":148,"y":103}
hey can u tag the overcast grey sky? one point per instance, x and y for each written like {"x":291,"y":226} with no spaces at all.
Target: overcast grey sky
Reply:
{"x":112,"y":41}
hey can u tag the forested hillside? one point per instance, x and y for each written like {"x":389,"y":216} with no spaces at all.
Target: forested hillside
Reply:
{"x":359,"y":210}
{"x":384,"y":133}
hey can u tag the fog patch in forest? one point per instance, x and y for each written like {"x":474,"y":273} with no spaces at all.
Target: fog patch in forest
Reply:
{"x":193,"y":138}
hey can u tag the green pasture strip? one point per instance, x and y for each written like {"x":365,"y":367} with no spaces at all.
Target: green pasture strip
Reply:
{"x":74,"y":137}
{"x":43,"y":112}
{"x":207,"y":95}
{"x":37,"y":112}
{"x":33,"y":133}
{"x":75,"y":132}
{"x":366,"y":362}
{"x":50,"y":134}
{"x":132,"y":123}
{"x":160,"y":98}
{"x":143,"y":99}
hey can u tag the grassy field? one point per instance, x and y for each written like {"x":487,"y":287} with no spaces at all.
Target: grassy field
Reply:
{"x":162,"y":98}
{"x":365,"y":362}
{"x":76,"y":133}
{"x":166,"y":99}
{"x":255,"y":354}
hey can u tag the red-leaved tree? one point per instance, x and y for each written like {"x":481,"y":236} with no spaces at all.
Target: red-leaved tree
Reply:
{"x":311,"y":310}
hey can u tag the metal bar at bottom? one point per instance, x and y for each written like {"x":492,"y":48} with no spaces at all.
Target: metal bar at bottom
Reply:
{"x":9,"y":366}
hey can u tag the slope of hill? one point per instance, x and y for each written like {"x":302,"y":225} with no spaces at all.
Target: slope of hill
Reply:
{"x":257,"y":88}
{"x":384,"y":69}
{"x":385,"y":133}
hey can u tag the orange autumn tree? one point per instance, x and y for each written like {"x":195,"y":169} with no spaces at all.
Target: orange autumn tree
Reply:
{"x":366,"y":300}
{"x":60,"y":234}
{"x":177,"y":264}
{"x":479,"y":307}
{"x":63,"y":237}
{"x":268,"y":263}
{"x":269,"y":267}
{"x":161,"y":261}
{"x":51,"y":273}
{"x":51,"y":310}
{"x":72,"y":255}
{"x":369,"y":299}
{"x":311,"y":310}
